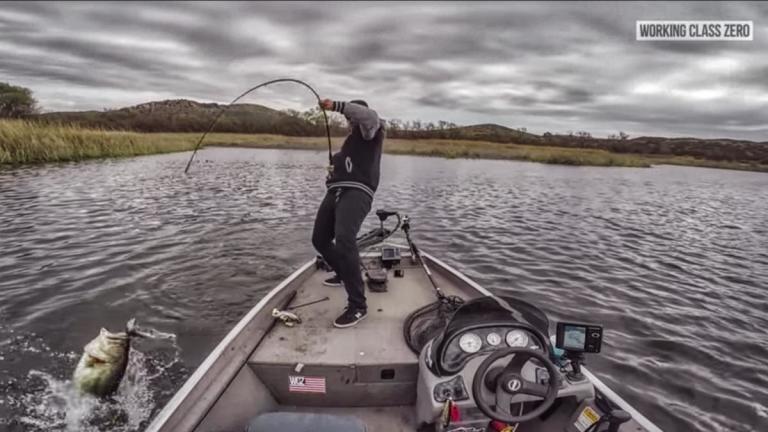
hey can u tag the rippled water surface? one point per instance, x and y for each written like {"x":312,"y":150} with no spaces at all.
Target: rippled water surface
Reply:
{"x":672,"y":260}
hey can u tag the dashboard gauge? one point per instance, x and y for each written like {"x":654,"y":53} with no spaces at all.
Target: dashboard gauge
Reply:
{"x":470,"y":343}
{"x":517,"y":338}
{"x":493,"y":338}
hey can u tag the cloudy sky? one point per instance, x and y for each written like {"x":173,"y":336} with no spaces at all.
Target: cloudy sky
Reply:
{"x":547,"y":67}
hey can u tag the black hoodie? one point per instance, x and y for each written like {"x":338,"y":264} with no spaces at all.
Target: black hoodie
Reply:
{"x":356,"y":165}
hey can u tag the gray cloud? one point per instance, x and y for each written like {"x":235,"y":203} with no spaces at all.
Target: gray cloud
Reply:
{"x":550,"y":67}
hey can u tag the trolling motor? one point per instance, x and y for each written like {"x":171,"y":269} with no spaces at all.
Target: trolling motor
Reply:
{"x":373,"y":237}
{"x":384,"y":214}
{"x":390,"y":256}
{"x":377,"y":278}
{"x":379,"y":234}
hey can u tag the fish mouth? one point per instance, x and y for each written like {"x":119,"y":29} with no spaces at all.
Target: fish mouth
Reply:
{"x":117,"y":337}
{"x":93,"y":360}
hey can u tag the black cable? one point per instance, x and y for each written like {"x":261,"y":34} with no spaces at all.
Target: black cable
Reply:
{"x":218,"y":116}
{"x":445,"y":307}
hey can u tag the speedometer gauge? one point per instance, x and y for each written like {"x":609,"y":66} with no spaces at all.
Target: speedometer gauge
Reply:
{"x":493,"y":338}
{"x":517,"y":338}
{"x":470,"y":343}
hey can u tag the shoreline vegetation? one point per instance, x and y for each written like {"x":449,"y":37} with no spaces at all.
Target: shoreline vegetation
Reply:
{"x":29,"y":142}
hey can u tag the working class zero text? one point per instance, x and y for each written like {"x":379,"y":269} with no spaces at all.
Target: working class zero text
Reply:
{"x":694,"y":30}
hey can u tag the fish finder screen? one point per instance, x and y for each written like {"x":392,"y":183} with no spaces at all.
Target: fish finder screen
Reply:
{"x":579,"y":337}
{"x":574,"y":337}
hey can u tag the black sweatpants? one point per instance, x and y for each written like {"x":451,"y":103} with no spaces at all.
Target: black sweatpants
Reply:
{"x":339,"y":218}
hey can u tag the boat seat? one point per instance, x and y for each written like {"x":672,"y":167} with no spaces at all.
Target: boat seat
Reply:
{"x":304,"y":422}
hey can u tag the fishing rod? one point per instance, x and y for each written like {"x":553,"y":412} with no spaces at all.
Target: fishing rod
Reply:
{"x":264,"y":84}
{"x":308,"y":303}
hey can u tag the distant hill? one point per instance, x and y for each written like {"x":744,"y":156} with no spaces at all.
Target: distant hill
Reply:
{"x":189,"y":116}
{"x":182,"y":115}
{"x":711,"y":149}
{"x":480,"y":132}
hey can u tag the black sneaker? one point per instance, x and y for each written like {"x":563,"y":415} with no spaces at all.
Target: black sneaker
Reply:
{"x":350,"y":317}
{"x":334,"y":281}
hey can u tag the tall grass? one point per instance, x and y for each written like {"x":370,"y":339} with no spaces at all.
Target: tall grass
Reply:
{"x":28,"y":142}
{"x":23,"y":142}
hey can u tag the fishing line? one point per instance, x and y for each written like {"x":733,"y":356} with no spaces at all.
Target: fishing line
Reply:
{"x":264,"y":84}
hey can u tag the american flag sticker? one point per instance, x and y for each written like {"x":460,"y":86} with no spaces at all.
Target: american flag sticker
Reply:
{"x":302,"y":384}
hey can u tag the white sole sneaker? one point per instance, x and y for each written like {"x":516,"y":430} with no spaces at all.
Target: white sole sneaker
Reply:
{"x":350,"y":324}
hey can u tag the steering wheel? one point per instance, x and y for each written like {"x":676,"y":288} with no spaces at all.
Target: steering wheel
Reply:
{"x":508,"y":382}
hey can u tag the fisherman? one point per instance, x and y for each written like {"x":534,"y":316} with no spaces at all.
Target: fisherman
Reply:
{"x":352,"y":180}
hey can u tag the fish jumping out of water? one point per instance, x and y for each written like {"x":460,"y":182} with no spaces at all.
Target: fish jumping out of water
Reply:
{"x":104,"y":360}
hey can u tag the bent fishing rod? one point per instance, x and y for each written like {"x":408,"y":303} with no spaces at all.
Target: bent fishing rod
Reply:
{"x":264,"y":84}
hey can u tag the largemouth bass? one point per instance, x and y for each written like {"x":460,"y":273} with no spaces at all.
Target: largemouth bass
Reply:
{"x":104,"y":360}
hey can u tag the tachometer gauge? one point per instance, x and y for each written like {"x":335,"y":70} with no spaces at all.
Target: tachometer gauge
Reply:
{"x":493,"y":338}
{"x":470,"y":343}
{"x":517,"y":338}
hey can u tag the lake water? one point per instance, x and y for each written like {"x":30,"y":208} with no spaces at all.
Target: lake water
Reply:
{"x":672,"y":260}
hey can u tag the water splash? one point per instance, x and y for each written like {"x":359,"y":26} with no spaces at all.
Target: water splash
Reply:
{"x":56,"y":405}
{"x":49,"y":401}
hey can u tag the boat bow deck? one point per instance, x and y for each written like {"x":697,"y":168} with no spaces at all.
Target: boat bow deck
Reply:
{"x":365,"y":365}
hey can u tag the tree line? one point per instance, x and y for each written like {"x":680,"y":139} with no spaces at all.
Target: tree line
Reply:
{"x":190,"y":116}
{"x":396,"y":128}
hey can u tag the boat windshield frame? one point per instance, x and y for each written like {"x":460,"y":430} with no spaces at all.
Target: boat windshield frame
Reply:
{"x":487,"y":311}
{"x":498,"y":308}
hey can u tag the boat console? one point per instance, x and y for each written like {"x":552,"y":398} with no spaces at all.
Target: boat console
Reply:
{"x":494,"y":361}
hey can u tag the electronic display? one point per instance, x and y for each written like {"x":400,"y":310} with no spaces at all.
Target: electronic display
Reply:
{"x":579,"y":337}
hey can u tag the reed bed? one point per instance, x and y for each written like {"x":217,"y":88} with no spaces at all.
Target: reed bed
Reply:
{"x":25,"y":142}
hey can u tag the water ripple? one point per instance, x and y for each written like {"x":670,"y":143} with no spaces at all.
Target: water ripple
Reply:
{"x":672,"y":260}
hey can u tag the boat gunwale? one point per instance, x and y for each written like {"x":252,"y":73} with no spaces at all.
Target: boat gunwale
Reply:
{"x":618,"y":400}
{"x":170,"y":408}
